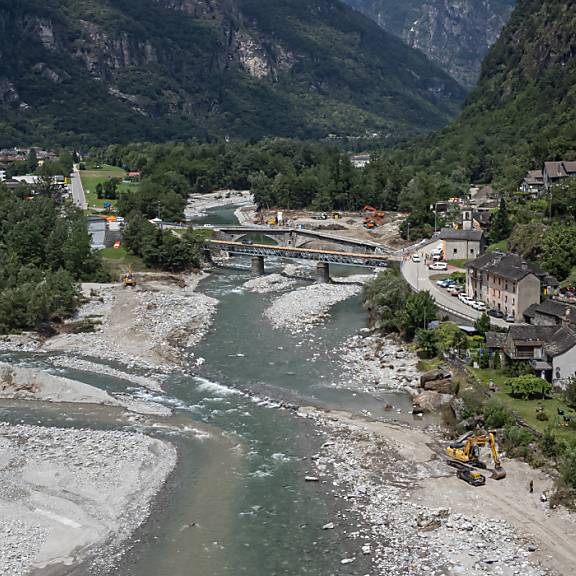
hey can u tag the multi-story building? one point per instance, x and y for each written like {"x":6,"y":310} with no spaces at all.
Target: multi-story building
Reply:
{"x":506,"y":282}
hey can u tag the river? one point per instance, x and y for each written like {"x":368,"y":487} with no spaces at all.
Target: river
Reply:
{"x":237,"y":502}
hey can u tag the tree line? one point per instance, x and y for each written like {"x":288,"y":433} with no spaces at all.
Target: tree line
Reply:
{"x":44,"y":253}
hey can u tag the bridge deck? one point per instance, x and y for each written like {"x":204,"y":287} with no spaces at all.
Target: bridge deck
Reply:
{"x":330,"y":256}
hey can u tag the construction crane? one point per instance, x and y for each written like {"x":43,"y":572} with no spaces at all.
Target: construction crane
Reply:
{"x":466,"y":451}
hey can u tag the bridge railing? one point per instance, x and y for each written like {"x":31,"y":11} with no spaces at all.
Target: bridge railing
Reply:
{"x":329,"y":256}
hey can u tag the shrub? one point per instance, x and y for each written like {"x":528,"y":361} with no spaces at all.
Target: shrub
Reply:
{"x":528,"y":386}
{"x":549,"y":444}
{"x":568,"y":467}
{"x":497,"y":416}
{"x":497,"y":361}
{"x":516,"y":437}
{"x":515,"y":368}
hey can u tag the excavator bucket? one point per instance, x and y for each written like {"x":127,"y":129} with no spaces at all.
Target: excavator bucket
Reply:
{"x":498,"y":474}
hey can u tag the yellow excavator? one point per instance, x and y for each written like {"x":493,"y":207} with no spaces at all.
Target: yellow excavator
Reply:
{"x":128,"y":278}
{"x":464,"y":454}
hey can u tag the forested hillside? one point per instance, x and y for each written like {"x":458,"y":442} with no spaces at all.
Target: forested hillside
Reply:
{"x":523,"y":110}
{"x":455,"y":34}
{"x":81,"y":72}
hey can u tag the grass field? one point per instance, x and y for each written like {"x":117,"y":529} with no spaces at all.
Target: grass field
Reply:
{"x":118,"y":261}
{"x":526,"y":409}
{"x":91,"y":178}
{"x":502,"y":246}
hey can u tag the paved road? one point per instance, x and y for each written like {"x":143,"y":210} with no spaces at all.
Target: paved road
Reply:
{"x":78,"y":195}
{"x":418,"y":276}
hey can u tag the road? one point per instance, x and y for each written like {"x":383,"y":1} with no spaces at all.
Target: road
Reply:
{"x":418,"y":276}
{"x":78,"y":195}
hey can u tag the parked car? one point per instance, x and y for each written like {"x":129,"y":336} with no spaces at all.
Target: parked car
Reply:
{"x":480,"y":306}
{"x":438,"y":266}
{"x":510,"y":318}
{"x":495,"y":313}
{"x":466,"y":299}
{"x":415,"y":257}
{"x":453,"y":291}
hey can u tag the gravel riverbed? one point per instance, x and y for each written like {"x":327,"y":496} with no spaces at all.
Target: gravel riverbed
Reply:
{"x":377,"y":468}
{"x":65,"y":492}
{"x":143,"y":328}
{"x":301,"y":309}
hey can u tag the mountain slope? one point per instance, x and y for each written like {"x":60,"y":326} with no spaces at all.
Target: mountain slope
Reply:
{"x":93,"y":71}
{"x":523,"y":110}
{"x":455,"y":34}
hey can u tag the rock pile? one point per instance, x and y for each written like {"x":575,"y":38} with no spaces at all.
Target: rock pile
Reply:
{"x":371,"y":362}
{"x":438,"y":389}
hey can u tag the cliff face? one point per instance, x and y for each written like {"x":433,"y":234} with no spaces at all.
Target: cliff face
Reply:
{"x":101,"y":70}
{"x":522,"y":112}
{"x":455,"y":34}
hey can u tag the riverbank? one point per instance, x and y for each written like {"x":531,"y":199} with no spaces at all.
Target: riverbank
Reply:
{"x":420,"y":519}
{"x":66,"y":493}
{"x":145,"y":327}
{"x":198,"y":204}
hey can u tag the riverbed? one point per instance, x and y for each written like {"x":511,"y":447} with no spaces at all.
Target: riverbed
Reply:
{"x":247,"y":495}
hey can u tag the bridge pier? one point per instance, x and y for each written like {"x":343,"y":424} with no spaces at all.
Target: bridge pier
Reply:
{"x":323,"y":272}
{"x":208,"y":256}
{"x":258,"y":265}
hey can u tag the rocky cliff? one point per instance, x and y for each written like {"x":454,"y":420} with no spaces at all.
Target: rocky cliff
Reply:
{"x":92,"y":71}
{"x":523,"y":109}
{"x":455,"y":34}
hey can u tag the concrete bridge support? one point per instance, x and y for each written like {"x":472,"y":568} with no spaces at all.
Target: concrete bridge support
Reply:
{"x":258,"y":265}
{"x":323,"y":272}
{"x":208,"y":256}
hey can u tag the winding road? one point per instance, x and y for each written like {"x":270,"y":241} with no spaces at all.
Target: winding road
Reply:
{"x":420,"y":278}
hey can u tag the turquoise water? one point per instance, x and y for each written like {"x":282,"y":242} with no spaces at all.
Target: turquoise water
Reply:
{"x":237,"y":502}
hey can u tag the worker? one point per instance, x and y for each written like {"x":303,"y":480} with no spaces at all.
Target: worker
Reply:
{"x":531,"y":486}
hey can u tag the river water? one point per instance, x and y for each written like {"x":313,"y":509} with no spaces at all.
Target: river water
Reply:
{"x":237,"y":502}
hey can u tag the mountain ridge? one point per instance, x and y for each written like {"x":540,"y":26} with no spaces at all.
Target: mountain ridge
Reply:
{"x":92,"y":71}
{"x":454,"y":34}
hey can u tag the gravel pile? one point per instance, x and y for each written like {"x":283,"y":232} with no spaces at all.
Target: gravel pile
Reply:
{"x":370,"y":362}
{"x":19,"y":343}
{"x":403,"y":537}
{"x":269,"y":283}
{"x":300,"y":310}
{"x":64,"y":491}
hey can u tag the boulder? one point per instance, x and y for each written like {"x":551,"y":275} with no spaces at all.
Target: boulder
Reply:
{"x":444,"y":386}
{"x":430,"y":401}
{"x":458,"y":408}
{"x":431,"y":375}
